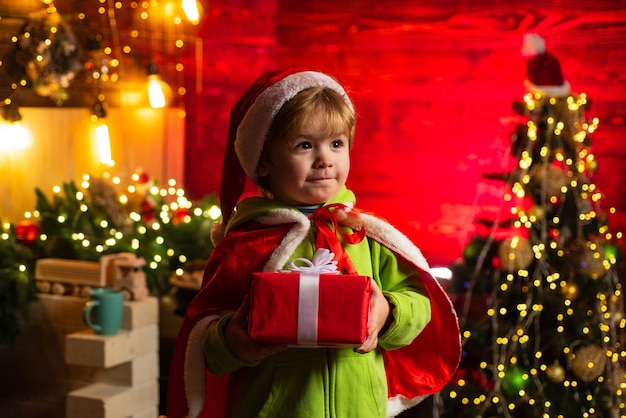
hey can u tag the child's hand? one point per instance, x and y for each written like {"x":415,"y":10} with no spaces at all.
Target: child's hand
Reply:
{"x":236,"y":335}
{"x":379,"y":318}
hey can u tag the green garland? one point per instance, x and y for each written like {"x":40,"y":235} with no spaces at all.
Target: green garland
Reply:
{"x":17,"y":287}
{"x":84,"y":223}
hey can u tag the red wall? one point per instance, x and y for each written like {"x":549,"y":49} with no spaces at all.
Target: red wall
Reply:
{"x":433,"y":86}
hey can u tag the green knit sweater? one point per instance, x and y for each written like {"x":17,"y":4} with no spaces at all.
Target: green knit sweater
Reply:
{"x":322,"y":382}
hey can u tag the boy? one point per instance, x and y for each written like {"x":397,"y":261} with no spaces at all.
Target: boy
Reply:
{"x":291,"y":134}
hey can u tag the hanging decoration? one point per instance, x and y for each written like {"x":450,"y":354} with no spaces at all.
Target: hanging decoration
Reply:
{"x":49,"y":53}
{"x":100,"y":67}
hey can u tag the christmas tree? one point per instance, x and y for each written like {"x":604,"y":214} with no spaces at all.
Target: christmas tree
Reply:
{"x":537,"y":290}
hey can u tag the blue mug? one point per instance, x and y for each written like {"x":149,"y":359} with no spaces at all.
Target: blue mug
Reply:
{"x":103,"y":311}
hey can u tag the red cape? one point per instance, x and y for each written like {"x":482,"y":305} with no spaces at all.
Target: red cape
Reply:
{"x":413,"y":372}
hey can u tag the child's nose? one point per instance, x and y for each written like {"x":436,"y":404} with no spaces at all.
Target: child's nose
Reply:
{"x":324,"y":158}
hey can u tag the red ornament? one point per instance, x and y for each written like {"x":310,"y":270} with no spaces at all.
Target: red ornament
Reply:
{"x":26,"y":232}
{"x":555,"y":234}
{"x":482,"y":380}
{"x":496,"y":263}
{"x":148,"y":210}
{"x":461,"y":373}
{"x":142,"y":177}
{"x":180,"y":214}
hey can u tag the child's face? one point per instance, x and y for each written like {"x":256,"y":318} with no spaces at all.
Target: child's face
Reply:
{"x":310,"y":169}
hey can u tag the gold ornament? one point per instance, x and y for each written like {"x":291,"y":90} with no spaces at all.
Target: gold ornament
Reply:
{"x":588,"y":362}
{"x":553,"y":177}
{"x":537,"y":212}
{"x":570,"y":291}
{"x":592,"y":262}
{"x":515,"y":253}
{"x":591,"y":166}
{"x":106,"y":197}
{"x":556,"y":372}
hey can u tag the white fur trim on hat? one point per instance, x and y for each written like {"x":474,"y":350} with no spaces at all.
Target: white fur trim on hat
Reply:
{"x":533,"y":44}
{"x":254,"y":127}
{"x":563,"y":90}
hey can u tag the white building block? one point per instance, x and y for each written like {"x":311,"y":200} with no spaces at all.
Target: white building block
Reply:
{"x":110,"y":401}
{"x":140,"y":313}
{"x":85,"y":348}
{"x":148,"y":413}
{"x":135,"y":372}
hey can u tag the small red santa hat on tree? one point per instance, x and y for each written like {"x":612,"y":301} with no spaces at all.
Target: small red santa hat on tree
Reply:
{"x":544,"y":70}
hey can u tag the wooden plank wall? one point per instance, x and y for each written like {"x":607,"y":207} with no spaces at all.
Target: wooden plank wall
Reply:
{"x":63,"y":145}
{"x":433,"y":84}
{"x":64,"y":148}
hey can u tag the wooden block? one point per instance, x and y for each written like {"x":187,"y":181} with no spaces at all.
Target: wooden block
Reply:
{"x":148,"y":413}
{"x":85,"y":348}
{"x":137,"y":371}
{"x":64,"y":311}
{"x":140,"y":313}
{"x":111,"y":401}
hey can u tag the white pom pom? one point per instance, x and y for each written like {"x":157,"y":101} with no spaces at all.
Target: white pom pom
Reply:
{"x":533,"y":45}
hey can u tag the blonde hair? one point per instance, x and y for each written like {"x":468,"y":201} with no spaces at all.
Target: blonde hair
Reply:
{"x":287,"y":124}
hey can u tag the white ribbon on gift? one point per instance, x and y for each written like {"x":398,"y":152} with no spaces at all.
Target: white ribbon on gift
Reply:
{"x":308,"y":292}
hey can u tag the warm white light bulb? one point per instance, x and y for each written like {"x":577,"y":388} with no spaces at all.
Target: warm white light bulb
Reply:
{"x":104,"y":144}
{"x":14,"y":136}
{"x":156,"y":95}
{"x":192,"y":11}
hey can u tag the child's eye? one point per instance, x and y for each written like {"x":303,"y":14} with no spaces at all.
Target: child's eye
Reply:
{"x":304,"y":145}
{"x":337,"y":143}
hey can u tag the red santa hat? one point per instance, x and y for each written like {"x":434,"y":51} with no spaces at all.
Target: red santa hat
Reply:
{"x":544,"y":70}
{"x":250,"y":121}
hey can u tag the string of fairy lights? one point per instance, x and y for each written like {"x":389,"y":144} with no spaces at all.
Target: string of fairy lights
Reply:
{"x":121,"y":34}
{"x":520,"y":358}
{"x":126,"y":205}
{"x":52,"y":57}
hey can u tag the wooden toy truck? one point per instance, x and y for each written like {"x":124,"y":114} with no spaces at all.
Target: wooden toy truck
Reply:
{"x":122,"y":271}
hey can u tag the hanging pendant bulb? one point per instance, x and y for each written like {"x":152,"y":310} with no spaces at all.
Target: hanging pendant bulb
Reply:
{"x":104,"y":144}
{"x":103,"y":140}
{"x":158,"y":90}
{"x":192,"y":10}
{"x":13,"y":134}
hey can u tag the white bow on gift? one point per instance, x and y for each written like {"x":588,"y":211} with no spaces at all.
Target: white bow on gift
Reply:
{"x":322,"y":262}
{"x":308,"y":294}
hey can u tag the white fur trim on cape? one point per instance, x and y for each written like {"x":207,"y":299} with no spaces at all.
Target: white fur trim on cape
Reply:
{"x":395,"y":240}
{"x":399,"y":403}
{"x":195,"y":383}
{"x":254,"y":127}
{"x":291,"y":240}
{"x":375,"y":228}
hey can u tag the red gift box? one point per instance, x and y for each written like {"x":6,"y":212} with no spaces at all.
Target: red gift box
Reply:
{"x":309,"y":309}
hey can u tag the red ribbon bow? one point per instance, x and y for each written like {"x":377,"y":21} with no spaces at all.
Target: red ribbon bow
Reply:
{"x":328,"y":220}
